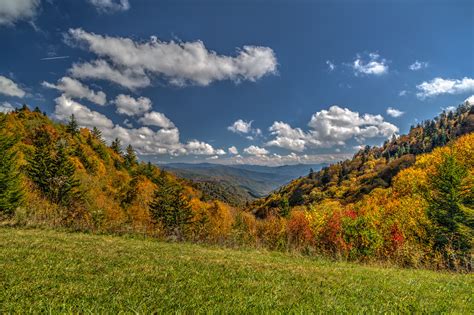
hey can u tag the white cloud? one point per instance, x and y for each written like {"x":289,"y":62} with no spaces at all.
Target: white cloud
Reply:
{"x":255,"y":150}
{"x":130,"y":106}
{"x":101,"y":70}
{"x":214,"y":157}
{"x":469,"y":100}
{"x":156,"y":119}
{"x":75,"y":89}
{"x":10,"y":88}
{"x":109,"y":6}
{"x":439,"y":86}
{"x":233,"y":150}
{"x":418,"y":65}
{"x":331,"y":66}
{"x":394,"y":112}
{"x":145,"y":140}
{"x":65,"y":107}
{"x":6,"y":107}
{"x":12,"y":11}
{"x":245,"y":128}
{"x":241,"y":126}
{"x":180,"y":63}
{"x":202,"y":148}
{"x":330,"y":127}
{"x":374,"y":66}
{"x":402,"y":93}
{"x":287,"y":137}
{"x":278,"y":160}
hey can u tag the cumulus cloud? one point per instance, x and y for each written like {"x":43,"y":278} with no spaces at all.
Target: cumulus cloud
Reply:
{"x":375,"y":65}
{"x":180,"y":63}
{"x":439,"y":86}
{"x":245,"y":128}
{"x":278,"y":160}
{"x":156,"y":119}
{"x":12,"y":11}
{"x":6,"y":107}
{"x":329,"y":128}
{"x":10,"y":88}
{"x":110,"y":6}
{"x":256,"y":150}
{"x":101,"y":70}
{"x":130,"y":106}
{"x":233,"y":150}
{"x":202,"y":148}
{"x":145,"y":140}
{"x":287,"y":137}
{"x":394,"y":112}
{"x":85,"y":117}
{"x":418,"y":65}
{"x":241,"y":126}
{"x":75,"y":89}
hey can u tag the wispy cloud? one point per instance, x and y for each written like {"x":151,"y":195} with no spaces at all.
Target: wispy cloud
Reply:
{"x":54,"y":58}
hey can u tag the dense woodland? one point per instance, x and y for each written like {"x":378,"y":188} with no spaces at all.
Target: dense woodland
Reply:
{"x":408,"y":202}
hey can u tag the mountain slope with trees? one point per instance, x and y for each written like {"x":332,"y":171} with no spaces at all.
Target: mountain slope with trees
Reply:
{"x":409,"y":202}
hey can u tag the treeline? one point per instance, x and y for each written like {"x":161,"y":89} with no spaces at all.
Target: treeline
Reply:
{"x":389,"y":204}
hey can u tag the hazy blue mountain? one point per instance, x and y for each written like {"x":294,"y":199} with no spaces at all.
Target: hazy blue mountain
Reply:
{"x":240,"y":182}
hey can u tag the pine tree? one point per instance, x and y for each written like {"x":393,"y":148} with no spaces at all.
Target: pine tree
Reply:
{"x":10,"y":183}
{"x":130,"y":156}
{"x":451,"y":209}
{"x":116,"y":145}
{"x":97,"y":134}
{"x":53,"y":174}
{"x":170,"y":207}
{"x":72,"y":126}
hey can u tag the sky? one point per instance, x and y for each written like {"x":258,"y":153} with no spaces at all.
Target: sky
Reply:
{"x":254,"y":82}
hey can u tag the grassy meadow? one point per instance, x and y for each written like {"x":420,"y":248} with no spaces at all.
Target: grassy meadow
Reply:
{"x":51,"y":271}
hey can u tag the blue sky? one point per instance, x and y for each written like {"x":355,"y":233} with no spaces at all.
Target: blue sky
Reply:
{"x":260,"y":82}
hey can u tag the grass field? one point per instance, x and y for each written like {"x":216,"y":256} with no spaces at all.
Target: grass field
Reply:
{"x":73,"y":272}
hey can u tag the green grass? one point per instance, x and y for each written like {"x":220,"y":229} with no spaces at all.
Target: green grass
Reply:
{"x":42,"y":270}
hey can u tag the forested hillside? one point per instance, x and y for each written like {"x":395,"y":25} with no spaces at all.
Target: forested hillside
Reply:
{"x":60,"y":175}
{"x":409,"y":202}
{"x":372,"y":167}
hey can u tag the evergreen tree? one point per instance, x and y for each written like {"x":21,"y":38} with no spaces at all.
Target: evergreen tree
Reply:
{"x":53,"y":174}
{"x":171,"y":208}
{"x":97,"y":134}
{"x":72,"y":126}
{"x":284,"y":207}
{"x":130,"y":156}
{"x":116,"y":145}
{"x":10,"y":184}
{"x":451,"y":209}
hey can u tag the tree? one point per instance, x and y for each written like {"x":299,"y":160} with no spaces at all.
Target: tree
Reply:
{"x":10,"y":183}
{"x":53,"y":174}
{"x":116,"y":145}
{"x":130,"y":156}
{"x":450,"y":209}
{"x":72,"y":126}
{"x":170,"y":207}
{"x":284,"y":207}
{"x":97,"y":134}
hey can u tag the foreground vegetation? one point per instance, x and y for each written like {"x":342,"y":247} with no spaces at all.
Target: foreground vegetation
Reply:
{"x":410,"y":202}
{"x":50,"y":271}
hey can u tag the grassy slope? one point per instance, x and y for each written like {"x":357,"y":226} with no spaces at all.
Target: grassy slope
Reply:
{"x":57,"y":271}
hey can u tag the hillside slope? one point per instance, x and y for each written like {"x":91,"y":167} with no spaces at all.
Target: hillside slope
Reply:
{"x":57,"y":272}
{"x":370,"y":168}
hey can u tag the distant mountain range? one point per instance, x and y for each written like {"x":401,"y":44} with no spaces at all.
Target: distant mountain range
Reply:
{"x":237,"y":184}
